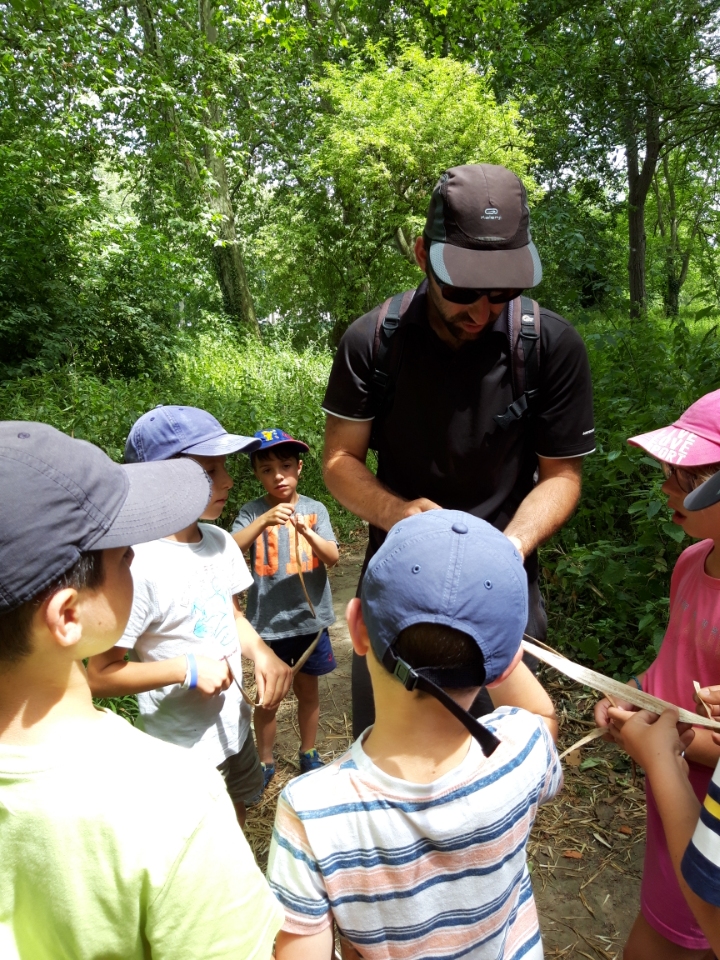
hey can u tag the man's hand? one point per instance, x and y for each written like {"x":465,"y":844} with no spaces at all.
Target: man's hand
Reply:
{"x":278,"y":515}
{"x":655,"y":741}
{"x":410,"y":507}
{"x":213,"y":676}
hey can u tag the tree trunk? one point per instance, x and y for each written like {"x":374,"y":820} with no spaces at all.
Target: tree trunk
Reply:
{"x":227,"y":256}
{"x":639,"y":182}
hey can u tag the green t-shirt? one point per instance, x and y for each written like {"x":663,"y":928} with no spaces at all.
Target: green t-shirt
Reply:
{"x":119,"y":846}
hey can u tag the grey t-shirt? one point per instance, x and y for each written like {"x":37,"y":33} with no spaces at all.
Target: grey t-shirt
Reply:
{"x":276,"y":604}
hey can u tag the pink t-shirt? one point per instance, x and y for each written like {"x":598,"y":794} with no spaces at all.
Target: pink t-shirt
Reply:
{"x":690,"y":651}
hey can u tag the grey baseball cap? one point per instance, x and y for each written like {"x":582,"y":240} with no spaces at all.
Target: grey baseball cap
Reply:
{"x":478,"y":228}
{"x":61,"y":497}
{"x":706,"y":495}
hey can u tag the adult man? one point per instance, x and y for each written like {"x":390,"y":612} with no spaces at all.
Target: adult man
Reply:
{"x":437,"y":440}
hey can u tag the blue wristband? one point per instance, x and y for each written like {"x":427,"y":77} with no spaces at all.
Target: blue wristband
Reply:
{"x":192,"y":670}
{"x":637,"y":682}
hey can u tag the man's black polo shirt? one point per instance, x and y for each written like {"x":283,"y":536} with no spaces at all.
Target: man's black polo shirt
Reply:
{"x":439,"y":439}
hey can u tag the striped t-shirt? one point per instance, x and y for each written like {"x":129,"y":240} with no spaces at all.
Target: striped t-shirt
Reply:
{"x":701,"y":861}
{"x":411,"y":870}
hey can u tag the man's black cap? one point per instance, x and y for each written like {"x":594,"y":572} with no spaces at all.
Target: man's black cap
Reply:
{"x":478,"y":227}
{"x":60,"y":497}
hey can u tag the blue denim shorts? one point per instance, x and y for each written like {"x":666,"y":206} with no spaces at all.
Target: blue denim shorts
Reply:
{"x":290,"y":649}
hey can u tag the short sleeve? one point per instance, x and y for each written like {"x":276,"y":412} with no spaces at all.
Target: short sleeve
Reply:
{"x":240,"y":576}
{"x":565,"y":426}
{"x":143,"y":610}
{"x":245,"y":517}
{"x":348,"y":390}
{"x":215,"y":903}
{"x":323,"y":527}
{"x":295,"y":876}
{"x":552,"y":780}
{"x":701,"y":862}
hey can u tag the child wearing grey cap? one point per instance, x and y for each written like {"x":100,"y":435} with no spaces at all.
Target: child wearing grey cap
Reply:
{"x":112,"y":843}
{"x":186,"y":630}
{"x":414,"y":842}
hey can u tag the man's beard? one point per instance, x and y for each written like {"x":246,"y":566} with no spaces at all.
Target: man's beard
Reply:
{"x":453,"y":323}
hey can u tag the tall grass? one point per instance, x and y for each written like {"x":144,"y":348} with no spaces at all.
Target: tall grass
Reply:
{"x":247,"y":386}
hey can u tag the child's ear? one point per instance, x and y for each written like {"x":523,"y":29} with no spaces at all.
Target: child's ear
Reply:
{"x":356,"y":626}
{"x":300,"y":465}
{"x":506,"y":673}
{"x":61,"y":616}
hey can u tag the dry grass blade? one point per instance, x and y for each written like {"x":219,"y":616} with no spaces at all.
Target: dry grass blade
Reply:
{"x":304,"y":658}
{"x":300,"y":571}
{"x":593,"y":735}
{"x":697,"y":686}
{"x":614,"y":688}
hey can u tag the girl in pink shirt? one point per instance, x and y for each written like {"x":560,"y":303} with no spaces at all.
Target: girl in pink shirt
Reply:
{"x":689,"y":451}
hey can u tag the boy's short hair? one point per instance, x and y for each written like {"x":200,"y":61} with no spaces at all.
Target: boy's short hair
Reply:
{"x":281,"y":451}
{"x":440,"y":647}
{"x":450,"y":569}
{"x":15,"y":639}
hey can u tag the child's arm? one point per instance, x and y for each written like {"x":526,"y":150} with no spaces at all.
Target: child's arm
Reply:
{"x":522,"y":689}
{"x":275,"y":517}
{"x":325,"y":550}
{"x":292,"y":946}
{"x":111,"y":675}
{"x":654,"y":743}
{"x":272,"y":676}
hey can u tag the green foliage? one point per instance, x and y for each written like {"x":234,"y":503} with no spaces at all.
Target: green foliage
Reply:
{"x":337,"y":238}
{"x":247,"y":387}
{"x":608,"y":571}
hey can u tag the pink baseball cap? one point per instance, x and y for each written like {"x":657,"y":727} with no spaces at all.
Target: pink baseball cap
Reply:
{"x":693,"y":440}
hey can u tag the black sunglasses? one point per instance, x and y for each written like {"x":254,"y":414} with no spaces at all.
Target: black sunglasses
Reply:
{"x":468,"y":295}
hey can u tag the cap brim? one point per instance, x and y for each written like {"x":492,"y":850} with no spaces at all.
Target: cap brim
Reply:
{"x":164,"y":497}
{"x":224,"y":445}
{"x":303,"y":447}
{"x":678,"y":446}
{"x":492,"y":269}
{"x":705,"y":495}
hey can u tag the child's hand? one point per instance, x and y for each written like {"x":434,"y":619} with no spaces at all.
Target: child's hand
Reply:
{"x":653,"y":741}
{"x":603,"y":718}
{"x":272,"y":677}
{"x":213,"y":676}
{"x":300,"y":524}
{"x":711,"y":696}
{"x":279,"y":515}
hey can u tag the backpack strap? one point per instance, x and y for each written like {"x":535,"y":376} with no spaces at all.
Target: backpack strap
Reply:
{"x":524,"y":337}
{"x":388,"y":321}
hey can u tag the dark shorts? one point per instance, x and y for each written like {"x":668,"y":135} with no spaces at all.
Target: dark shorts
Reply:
{"x":242,"y":772}
{"x":290,"y":649}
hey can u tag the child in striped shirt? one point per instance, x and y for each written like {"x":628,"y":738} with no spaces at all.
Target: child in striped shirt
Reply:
{"x":414,"y":842}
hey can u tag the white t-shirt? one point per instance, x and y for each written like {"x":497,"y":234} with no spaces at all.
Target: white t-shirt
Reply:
{"x":115,"y":846}
{"x":183,"y":604}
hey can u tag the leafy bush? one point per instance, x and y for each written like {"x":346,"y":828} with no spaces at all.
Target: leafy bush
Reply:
{"x":247,"y":387}
{"x":608,"y":571}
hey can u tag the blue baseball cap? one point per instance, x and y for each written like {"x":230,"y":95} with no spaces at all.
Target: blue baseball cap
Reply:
{"x":274,"y":437}
{"x":447,"y":567}
{"x":165,"y":432}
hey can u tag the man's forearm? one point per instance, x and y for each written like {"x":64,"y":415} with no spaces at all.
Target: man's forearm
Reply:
{"x":545,"y":509}
{"x":360,"y":491}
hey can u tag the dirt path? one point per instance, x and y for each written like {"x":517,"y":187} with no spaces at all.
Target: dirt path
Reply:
{"x":587,"y":846}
